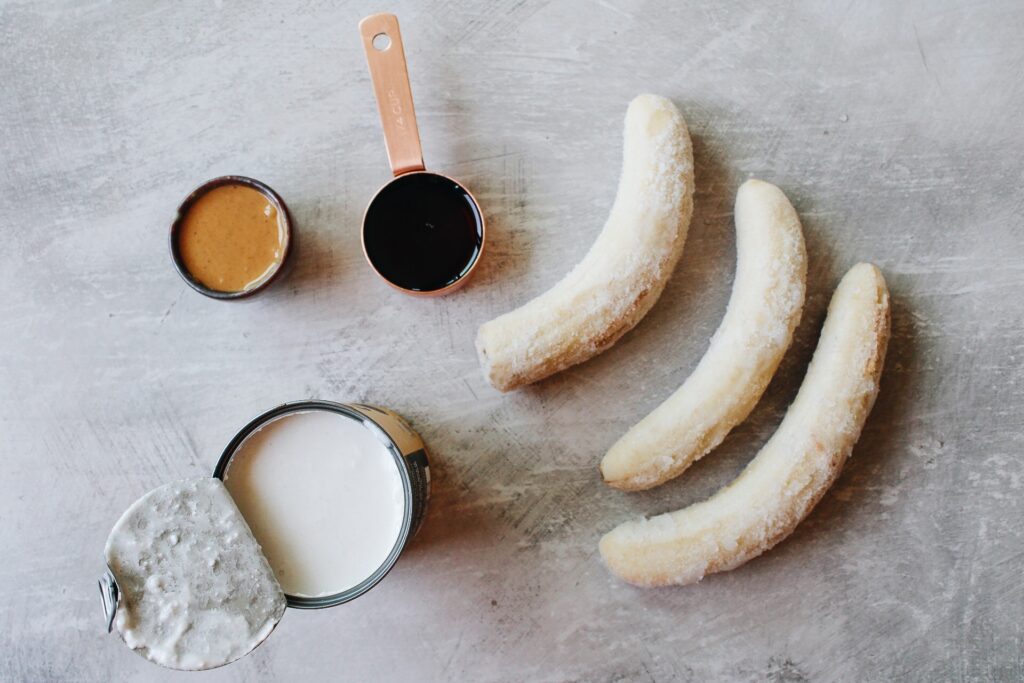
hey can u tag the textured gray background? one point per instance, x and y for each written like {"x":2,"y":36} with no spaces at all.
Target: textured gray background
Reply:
{"x":894,"y":127}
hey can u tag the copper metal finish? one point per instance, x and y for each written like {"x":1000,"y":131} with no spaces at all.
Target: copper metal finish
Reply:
{"x":385,"y":55}
{"x":394,"y":96}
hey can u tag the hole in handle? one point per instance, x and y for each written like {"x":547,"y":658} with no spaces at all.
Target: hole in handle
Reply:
{"x":381,"y":42}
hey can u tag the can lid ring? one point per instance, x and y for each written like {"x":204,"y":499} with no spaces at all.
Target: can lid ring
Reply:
{"x":110,"y":594}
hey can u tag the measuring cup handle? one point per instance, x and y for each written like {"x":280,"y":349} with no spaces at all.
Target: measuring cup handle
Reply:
{"x":390,"y":77}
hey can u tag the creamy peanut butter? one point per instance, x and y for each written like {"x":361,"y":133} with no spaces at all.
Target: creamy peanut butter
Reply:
{"x":232,"y":238}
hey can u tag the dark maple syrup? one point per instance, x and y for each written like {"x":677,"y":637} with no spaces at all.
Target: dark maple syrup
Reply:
{"x":423,"y":232}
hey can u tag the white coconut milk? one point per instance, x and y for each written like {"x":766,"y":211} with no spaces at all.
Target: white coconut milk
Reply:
{"x":323,"y":497}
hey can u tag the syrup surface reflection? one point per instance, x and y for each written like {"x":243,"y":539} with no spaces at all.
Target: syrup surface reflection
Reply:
{"x":422,"y":232}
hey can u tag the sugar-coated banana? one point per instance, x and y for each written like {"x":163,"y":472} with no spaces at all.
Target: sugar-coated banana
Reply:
{"x":792,"y":471}
{"x":626,"y":269}
{"x":764,"y":309}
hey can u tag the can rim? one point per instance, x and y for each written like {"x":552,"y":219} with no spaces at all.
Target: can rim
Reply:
{"x":319,"y":602}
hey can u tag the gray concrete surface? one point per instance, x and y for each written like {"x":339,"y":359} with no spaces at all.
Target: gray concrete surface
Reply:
{"x":894,"y":127}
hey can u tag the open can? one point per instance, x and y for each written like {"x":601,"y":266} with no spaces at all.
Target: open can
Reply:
{"x":399,"y":440}
{"x":410,"y":455}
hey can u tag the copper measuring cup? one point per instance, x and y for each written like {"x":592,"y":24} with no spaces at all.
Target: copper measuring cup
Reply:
{"x":423,"y":232}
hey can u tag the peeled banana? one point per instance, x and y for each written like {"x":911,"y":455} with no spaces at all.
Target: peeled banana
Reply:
{"x":622,"y":275}
{"x":764,"y":309}
{"x":778,"y":489}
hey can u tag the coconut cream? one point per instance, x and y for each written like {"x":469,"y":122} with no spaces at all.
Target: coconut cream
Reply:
{"x":323,"y":496}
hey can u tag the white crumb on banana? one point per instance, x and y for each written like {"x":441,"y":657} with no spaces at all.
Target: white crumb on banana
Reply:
{"x":743,"y":355}
{"x":626,"y":269}
{"x":791,"y":472}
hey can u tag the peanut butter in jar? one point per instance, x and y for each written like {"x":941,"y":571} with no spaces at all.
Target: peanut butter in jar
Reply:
{"x":231,"y":237}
